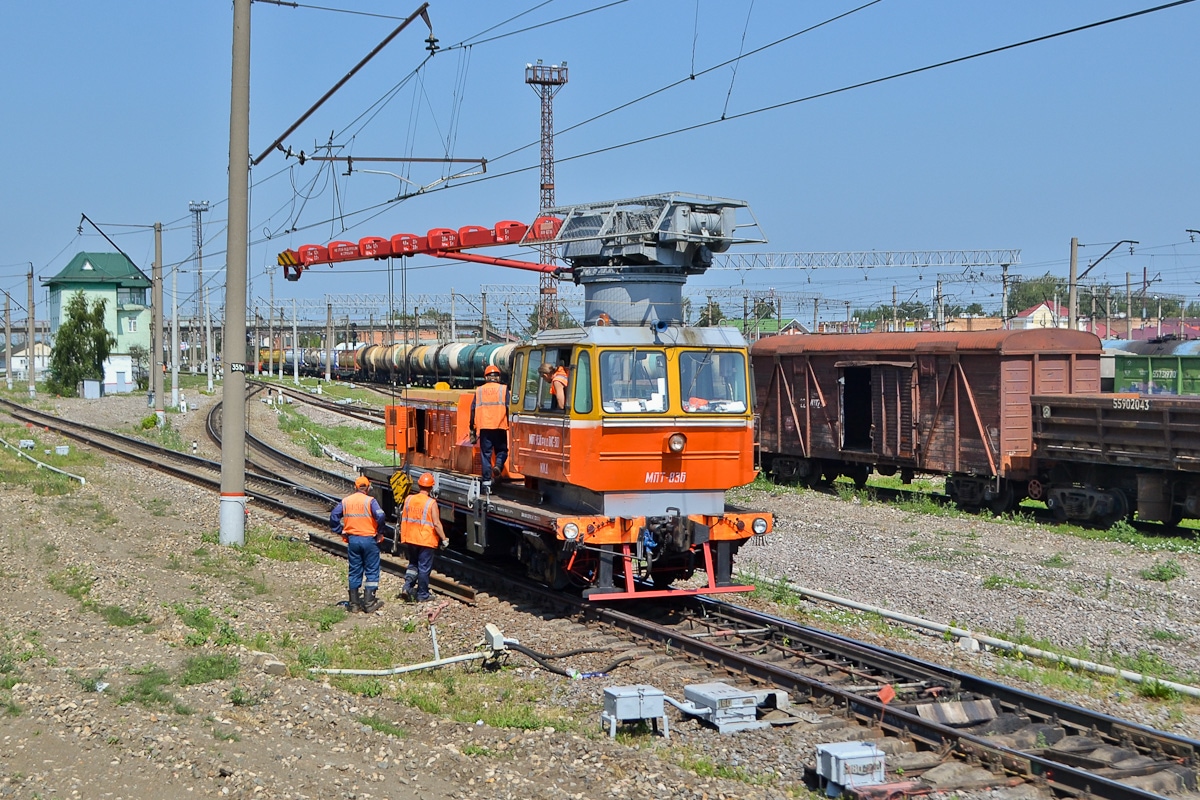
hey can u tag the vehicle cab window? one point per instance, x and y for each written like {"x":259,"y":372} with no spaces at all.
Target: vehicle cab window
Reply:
{"x":546,"y":370}
{"x":713,"y":381}
{"x":633,"y":381}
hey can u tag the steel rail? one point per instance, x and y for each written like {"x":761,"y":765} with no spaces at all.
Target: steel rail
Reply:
{"x":285,"y":498}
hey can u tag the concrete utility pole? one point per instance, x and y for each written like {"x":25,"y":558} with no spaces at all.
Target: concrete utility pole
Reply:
{"x":281,"y":343}
{"x":295,"y":348}
{"x":208,"y":338}
{"x":895,"y":310}
{"x":30,"y":358}
{"x":1004,"y":296}
{"x":156,"y":329}
{"x":1128,"y":308}
{"x":941,"y":313}
{"x":198,"y":208}
{"x":175,"y":336}
{"x":257,"y":343}
{"x":270,"y":324}
{"x":328,"y":341}
{"x":1073,"y":285}
{"x":7,"y":341}
{"x":233,"y":435}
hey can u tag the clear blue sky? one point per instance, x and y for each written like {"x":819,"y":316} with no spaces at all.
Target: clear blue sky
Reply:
{"x":120,"y":110}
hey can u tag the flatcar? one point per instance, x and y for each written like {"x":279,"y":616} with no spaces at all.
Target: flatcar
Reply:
{"x":621,"y":493}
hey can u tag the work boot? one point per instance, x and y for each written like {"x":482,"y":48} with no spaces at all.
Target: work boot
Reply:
{"x":356,"y":603}
{"x":371,"y":604}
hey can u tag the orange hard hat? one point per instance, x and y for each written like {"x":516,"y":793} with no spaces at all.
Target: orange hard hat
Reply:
{"x":491,"y":369}
{"x":426,"y":480}
{"x":362,"y":482}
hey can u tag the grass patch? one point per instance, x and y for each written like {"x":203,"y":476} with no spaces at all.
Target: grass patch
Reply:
{"x":323,"y":619}
{"x":1167,"y":636}
{"x":265,"y":543}
{"x":705,"y":767}
{"x":996,"y":582}
{"x":120,"y":618}
{"x":1163,"y":571}
{"x":150,"y":689}
{"x":1057,"y":561}
{"x":365,"y":443}
{"x":74,"y":582}
{"x":364,"y":687}
{"x":1154,"y":689}
{"x":200,"y":619}
{"x":244,"y":698}
{"x":208,"y":668}
{"x":157,"y":506}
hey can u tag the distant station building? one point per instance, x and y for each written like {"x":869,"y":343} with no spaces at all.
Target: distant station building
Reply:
{"x":125,"y":289}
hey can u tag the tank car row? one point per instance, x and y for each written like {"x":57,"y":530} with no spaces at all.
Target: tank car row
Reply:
{"x":1003,"y":415}
{"x":458,"y":364}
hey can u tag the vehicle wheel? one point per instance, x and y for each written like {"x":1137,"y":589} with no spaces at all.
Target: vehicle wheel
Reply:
{"x":1004,"y":501}
{"x":859,"y":474}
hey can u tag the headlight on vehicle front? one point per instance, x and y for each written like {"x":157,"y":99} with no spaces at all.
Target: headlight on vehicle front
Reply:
{"x":570,"y":531}
{"x":759,"y":526}
{"x":676,"y":442}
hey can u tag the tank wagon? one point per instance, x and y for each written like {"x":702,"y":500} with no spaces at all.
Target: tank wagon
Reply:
{"x":952,"y":404}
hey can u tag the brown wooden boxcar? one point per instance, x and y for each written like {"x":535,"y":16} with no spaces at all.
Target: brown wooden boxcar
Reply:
{"x":953,"y":404}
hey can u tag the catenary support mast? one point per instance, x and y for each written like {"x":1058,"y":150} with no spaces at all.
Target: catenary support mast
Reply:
{"x":233,"y":435}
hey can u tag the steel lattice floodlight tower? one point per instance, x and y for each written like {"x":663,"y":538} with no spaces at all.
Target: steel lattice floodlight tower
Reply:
{"x":546,"y":81}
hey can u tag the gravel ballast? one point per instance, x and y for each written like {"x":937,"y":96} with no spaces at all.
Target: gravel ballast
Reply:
{"x":141,"y":542}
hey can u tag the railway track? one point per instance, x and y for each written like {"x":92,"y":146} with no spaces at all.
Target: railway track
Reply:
{"x":940,"y":714}
{"x":286,"y":498}
{"x":361,"y":413}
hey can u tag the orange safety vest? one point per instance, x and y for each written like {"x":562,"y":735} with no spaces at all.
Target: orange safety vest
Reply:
{"x":416,"y":521}
{"x":357,"y":519}
{"x":490,"y":411}
{"x":560,"y":378}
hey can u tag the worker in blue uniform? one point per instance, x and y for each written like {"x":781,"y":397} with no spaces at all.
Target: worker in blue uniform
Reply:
{"x":359,"y":520}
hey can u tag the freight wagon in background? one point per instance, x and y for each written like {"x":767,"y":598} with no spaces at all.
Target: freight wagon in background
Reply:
{"x":953,"y":404}
{"x":1167,"y":365}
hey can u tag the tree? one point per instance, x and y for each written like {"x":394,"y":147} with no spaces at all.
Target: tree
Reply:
{"x":764,"y":308}
{"x":1029,"y":292}
{"x":973,"y":310}
{"x":710,"y":315}
{"x":81,"y":346}
{"x":140,"y":356}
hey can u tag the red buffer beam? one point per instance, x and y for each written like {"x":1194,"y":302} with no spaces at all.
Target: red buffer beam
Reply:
{"x":439,"y":242}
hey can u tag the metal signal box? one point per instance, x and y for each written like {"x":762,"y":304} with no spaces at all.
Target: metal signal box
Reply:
{"x":845,"y":765}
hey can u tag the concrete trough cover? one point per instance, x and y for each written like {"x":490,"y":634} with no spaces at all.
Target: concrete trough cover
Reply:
{"x":1076,"y":744}
{"x":958,"y":712}
{"x":1170,"y":781}
{"x":957,"y":776}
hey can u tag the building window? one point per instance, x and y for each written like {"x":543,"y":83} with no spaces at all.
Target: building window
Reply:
{"x":135,"y":296}
{"x":132,"y":325}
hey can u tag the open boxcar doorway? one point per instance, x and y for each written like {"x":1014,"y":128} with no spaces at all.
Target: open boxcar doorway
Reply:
{"x":856,"y":408}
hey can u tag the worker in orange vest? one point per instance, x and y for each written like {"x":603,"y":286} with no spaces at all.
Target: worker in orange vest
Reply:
{"x":421,"y":532}
{"x":557,"y":378}
{"x":359,"y":520}
{"x":489,"y":424}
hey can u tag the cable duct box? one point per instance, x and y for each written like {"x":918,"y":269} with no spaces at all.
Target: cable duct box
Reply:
{"x":729,"y":708}
{"x":845,"y":765}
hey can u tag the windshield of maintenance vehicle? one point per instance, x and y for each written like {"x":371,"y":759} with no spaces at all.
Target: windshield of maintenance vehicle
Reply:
{"x":633,"y":381}
{"x":713,"y":381}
